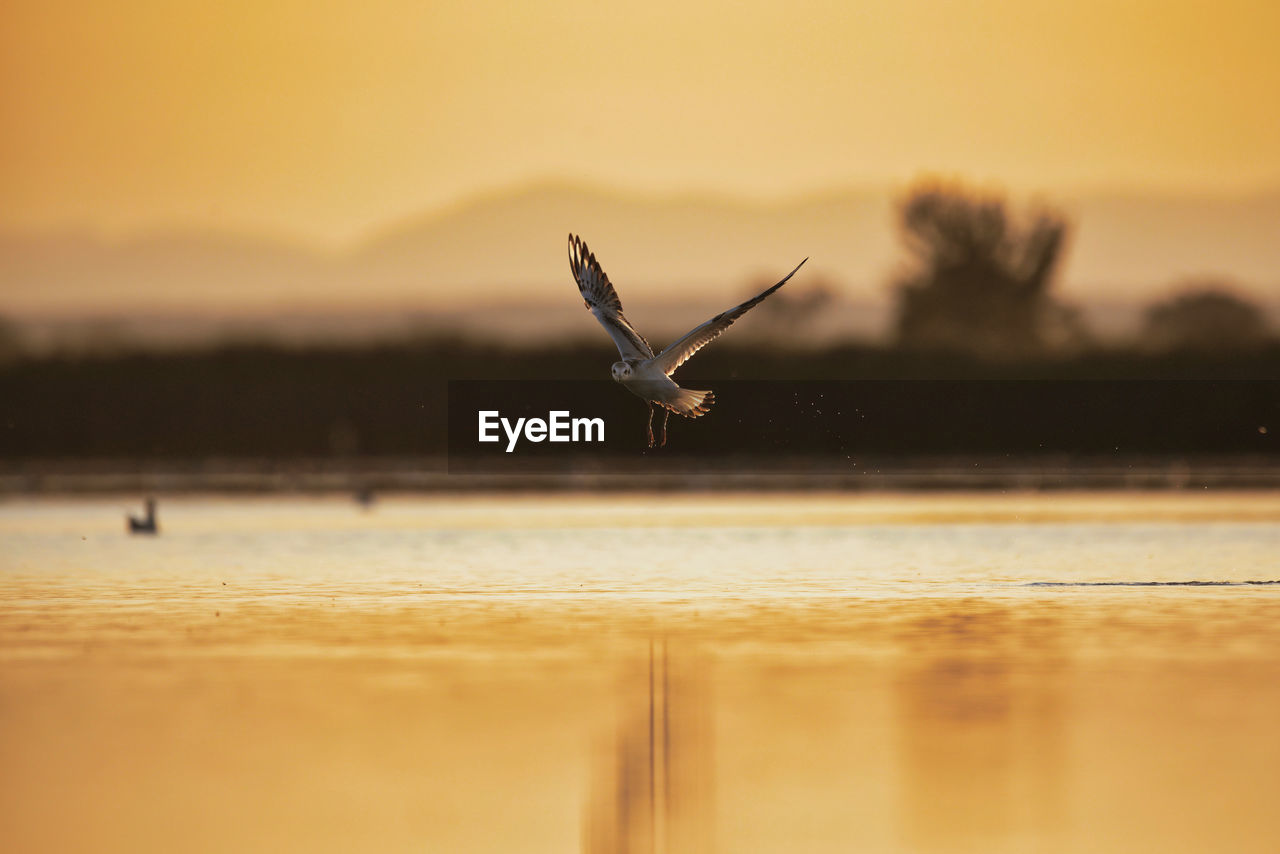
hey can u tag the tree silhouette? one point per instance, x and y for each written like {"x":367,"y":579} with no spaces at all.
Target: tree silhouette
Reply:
{"x":10,"y":340}
{"x":1204,"y":317}
{"x":979,"y":280}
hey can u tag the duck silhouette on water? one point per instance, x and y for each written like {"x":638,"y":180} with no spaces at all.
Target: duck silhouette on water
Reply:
{"x":147,"y":524}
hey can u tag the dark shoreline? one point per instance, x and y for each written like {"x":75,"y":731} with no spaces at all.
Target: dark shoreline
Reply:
{"x":319,"y":476}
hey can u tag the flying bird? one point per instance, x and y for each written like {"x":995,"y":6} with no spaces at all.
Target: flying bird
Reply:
{"x":640,"y":371}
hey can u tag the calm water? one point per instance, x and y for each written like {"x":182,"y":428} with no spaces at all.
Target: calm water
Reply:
{"x":643,"y":673}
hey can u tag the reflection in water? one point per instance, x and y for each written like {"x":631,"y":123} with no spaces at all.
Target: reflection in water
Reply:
{"x":652,"y":788}
{"x":283,"y":675}
{"x":980,"y":738}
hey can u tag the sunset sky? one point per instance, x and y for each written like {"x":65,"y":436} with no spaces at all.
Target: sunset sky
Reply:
{"x":323,"y":120}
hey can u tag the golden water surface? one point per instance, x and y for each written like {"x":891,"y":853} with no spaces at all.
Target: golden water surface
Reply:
{"x":757,"y":673}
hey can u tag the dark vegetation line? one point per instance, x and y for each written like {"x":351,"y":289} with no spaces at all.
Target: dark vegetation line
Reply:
{"x":393,"y":400}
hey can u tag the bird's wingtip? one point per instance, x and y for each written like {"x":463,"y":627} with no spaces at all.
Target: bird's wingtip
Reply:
{"x":792,"y":273}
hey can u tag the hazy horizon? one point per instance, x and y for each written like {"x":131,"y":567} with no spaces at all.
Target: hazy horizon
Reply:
{"x":495,"y":263}
{"x":393,"y":222}
{"x":324,"y":243}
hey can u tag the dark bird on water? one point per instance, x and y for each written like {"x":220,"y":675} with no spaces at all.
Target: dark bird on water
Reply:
{"x":146,"y":524}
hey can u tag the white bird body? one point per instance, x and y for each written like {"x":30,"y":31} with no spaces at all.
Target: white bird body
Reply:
{"x":646,"y":375}
{"x":646,"y":380}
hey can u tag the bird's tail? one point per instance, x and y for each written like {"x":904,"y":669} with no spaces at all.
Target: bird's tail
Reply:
{"x":690,"y":403}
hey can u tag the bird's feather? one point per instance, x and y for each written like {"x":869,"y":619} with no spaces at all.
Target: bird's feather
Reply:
{"x":678,"y":353}
{"x":602,"y":301}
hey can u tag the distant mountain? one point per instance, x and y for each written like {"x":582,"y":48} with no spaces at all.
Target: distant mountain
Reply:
{"x":76,"y":272}
{"x":515,"y":243}
{"x":505,"y":253}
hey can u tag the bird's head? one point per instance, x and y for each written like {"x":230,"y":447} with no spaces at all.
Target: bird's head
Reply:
{"x":621,"y":370}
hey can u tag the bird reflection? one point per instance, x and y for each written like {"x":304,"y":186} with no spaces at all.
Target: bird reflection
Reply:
{"x":651,"y":791}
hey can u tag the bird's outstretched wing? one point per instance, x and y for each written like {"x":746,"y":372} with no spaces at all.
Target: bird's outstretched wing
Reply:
{"x":678,"y":353}
{"x":602,"y":301}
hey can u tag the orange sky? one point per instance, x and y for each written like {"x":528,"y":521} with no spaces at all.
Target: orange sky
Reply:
{"x":325,"y":120}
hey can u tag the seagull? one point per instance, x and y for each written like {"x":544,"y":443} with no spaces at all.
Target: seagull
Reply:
{"x":642,"y":373}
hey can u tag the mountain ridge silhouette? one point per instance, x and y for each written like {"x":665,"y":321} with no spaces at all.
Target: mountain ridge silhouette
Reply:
{"x":1123,"y":246}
